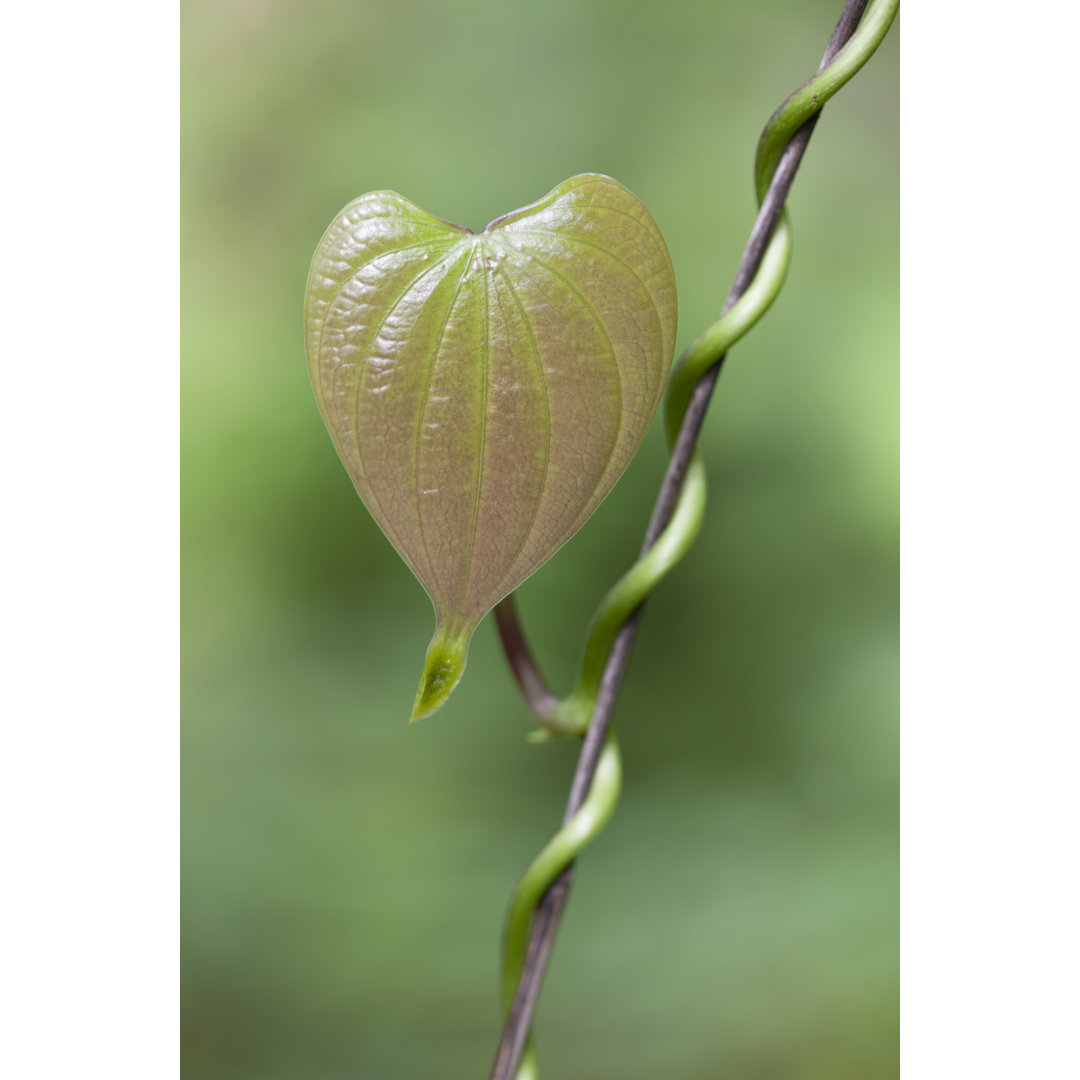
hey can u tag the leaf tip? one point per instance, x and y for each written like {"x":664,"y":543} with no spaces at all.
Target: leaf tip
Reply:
{"x":443,"y":668}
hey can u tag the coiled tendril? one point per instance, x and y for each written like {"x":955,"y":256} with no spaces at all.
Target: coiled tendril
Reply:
{"x":761,"y":274}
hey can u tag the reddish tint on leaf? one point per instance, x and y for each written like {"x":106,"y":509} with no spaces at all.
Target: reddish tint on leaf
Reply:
{"x":485,"y":391}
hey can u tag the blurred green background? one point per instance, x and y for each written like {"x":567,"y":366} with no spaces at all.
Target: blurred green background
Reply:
{"x":345,"y":875}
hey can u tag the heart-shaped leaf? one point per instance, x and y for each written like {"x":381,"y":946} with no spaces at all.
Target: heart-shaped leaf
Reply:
{"x":485,"y":391}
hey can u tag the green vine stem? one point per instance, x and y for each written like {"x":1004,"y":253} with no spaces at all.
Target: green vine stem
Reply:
{"x":537,"y":904}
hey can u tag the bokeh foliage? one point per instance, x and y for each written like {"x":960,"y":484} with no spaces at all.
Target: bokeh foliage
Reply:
{"x":345,"y":875}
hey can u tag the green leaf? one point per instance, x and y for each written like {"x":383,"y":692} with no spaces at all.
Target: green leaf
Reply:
{"x":485,"y":391}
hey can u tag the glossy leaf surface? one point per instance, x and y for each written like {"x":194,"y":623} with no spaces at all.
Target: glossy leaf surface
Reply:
{"x":485,"y":391}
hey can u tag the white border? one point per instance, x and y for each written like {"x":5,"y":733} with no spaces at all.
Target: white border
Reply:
{"x":991,"y":544}
{"x":89,"y":440}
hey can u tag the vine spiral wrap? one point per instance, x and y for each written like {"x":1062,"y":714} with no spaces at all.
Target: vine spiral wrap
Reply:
{"x":571,"y":716}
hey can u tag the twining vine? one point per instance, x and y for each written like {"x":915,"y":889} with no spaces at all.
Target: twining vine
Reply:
{"x":538,"y":903}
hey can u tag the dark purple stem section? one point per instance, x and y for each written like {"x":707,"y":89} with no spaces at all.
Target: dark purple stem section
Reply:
{"x":550,"y":909}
